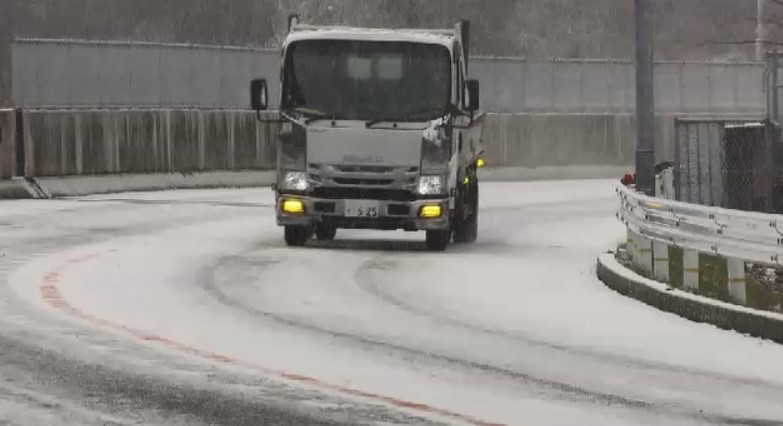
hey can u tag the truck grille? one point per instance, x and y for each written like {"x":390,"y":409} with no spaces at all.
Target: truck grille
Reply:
{"x":333,"y":193}
{"x":358,"y":181}
{"x":363,"y":169}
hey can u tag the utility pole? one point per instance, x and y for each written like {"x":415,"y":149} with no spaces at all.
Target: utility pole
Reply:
{"x":645,"y":98}
{"x":761,"y":30}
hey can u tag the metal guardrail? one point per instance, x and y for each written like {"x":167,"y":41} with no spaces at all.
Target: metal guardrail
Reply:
{"x":753,"y":237}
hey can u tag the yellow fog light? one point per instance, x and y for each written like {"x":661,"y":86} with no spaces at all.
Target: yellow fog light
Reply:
{"x":430,"y":212}
{"x":480,"y":163}
{"x":293,"y":206}
{"x":466,"y":180}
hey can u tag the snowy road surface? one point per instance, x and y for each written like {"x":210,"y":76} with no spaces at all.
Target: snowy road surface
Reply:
{"x":187,"y":308}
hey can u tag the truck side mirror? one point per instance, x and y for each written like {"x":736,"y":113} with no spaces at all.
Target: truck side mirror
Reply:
{"x":470,"y":100}
{"x":259,"y":95}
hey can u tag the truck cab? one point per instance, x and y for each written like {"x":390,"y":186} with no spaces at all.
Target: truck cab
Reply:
{"x":380,"y":130}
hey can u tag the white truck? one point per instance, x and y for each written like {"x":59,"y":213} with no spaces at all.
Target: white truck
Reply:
{"x":381,"y":130}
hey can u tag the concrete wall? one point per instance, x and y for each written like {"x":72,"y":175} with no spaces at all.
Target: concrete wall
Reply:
{"x":532,"y":140}
{"x":536,"y":140}
{"x":145,"y":141}
{"x":7,"y":143}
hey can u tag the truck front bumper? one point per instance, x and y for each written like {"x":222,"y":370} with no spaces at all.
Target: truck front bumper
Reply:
{"x":391,"y":215}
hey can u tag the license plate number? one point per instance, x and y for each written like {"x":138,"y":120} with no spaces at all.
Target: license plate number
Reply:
{"x":362,"y":208}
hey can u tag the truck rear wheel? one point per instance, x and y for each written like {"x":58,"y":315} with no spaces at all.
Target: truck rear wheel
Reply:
{"x":325,"y":232}
{"x":438,"y":240}
{"x":297,"y":236}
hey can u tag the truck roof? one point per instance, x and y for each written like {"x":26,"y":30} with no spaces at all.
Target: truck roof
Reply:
{"x":304,"y":32}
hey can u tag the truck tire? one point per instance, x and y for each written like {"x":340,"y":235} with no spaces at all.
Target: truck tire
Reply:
{"x":467,"y":232}
{"x":297,"y":236}
{"x":325,"y":232}
{"x":438,"y":240}
{"x":466,"y":229}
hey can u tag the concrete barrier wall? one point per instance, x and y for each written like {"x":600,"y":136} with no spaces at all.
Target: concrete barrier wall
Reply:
{"x":538,"y":140}
{"x":533,"y":140}
{"x":59,"y":143}
{"x":7,"y":143}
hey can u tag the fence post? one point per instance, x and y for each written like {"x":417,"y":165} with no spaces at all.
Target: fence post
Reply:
{"x":690,"y":269}
{"x":19,"y":151}
{"x":661,"y":261}
{"x":736,"y":280}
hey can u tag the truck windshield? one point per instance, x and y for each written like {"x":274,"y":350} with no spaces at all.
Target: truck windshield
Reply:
{"x":367,"y":80}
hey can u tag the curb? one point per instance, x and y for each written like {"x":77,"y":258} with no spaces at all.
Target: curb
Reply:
{"x":765,"y":325}
{"x":51,"y":187}
{"x":15,"y":189}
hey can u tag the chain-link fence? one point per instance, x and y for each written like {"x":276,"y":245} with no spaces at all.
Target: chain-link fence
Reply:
{"x":726,"y":164}
{"x":68,"y":73}
{"x":749,"y":166}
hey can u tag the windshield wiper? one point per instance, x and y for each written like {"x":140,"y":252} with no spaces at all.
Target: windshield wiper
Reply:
{"x":405,"y":116}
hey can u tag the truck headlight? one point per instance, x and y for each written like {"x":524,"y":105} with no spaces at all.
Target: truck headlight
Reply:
{"x":294,"y":181}
{"x":430,"y":185}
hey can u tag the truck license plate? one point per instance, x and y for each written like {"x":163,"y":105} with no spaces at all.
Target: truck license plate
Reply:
{"x":362,"y":208}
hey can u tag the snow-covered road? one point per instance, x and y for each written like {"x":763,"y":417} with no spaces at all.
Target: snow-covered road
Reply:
{"x":196,"y":291}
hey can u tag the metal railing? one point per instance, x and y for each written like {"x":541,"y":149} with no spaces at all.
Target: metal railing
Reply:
{"x":749,"y":236}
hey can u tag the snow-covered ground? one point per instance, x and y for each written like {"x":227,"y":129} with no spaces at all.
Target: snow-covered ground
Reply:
{"x":515,"y":329}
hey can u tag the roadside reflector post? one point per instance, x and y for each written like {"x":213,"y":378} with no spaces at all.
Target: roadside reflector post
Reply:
{"x":736,"y":280}
{"x":661,"y":261}
{"x":690,"y":269}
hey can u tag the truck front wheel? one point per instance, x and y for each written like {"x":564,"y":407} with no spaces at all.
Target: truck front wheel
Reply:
{"x":297,"y":236}
{"x":438,"y":240}
{"x":466,"y":229}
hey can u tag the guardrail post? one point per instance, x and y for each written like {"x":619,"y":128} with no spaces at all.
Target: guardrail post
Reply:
{"x":642,"y":252}
{"x":632,"y":245}
{"x":736,"y":280}
{"x":690,"y":269}
{"x":661,"y":261}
